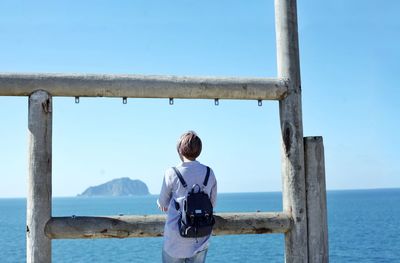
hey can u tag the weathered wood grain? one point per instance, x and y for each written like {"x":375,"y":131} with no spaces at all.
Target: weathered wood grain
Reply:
{"x":138,"y":86}
{"x":318,"y":251}
{"x":153,"y":225}
{"x":294,"y":198}
{"x":39,"y":179}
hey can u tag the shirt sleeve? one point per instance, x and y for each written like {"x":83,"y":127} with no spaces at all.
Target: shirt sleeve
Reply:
{"x":213,"y":193}
{"x":166,"y":192}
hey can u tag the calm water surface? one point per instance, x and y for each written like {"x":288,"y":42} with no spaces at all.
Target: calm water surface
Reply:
{"x":364,"y":226}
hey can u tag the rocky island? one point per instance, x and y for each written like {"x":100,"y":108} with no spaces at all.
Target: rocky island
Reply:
{"x":118,"y":187}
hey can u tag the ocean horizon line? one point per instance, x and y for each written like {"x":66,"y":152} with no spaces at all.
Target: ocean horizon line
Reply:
{"x":256,"y":192}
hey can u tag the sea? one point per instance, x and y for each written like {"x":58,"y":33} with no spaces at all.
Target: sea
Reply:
{"x":364,"y":226}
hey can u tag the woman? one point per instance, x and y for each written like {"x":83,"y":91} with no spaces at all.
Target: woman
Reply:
{"x":178,"y":249}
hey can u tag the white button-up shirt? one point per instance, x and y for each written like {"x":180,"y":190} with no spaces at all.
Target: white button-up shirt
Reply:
{"x":172,"y":190}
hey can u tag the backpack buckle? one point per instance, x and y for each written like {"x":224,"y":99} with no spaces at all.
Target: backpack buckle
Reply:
{"x":194,"y":187}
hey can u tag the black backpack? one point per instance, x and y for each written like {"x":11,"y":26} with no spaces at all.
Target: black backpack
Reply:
{"x":196,"y":215}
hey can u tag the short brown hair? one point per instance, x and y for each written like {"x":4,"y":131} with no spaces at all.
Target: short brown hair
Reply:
{"x":189,"y":145}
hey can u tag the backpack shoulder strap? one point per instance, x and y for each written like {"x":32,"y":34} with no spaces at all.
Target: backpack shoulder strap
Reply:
{"x":180,"y":177}
{"x":207,"y":176}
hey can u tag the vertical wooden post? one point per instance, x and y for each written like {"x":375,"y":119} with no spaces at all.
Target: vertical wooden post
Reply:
{"x":318,"y":251}
{"x":294,"y":199}
{"x":38,"y":246}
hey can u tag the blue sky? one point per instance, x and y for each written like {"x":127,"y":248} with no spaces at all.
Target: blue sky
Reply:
{"x":349,"y":54}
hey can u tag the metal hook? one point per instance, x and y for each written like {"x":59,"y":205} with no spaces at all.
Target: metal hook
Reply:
{"x":76,"y":100}
{"x":216,"y":102}
{"x":171,"y":101}
{"x":124,"y":100}
{"x":259,"y":103}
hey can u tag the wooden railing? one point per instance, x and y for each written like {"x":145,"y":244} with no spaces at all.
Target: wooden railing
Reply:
{"x":139,"y":86}
{"x":153,"y":225}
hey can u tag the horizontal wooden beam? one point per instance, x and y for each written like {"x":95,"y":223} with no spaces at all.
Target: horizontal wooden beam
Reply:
{"x":153,"y":225}
{"x":139,"y":86}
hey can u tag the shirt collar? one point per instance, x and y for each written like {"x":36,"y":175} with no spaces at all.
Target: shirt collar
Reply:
{"x":189,"y":163}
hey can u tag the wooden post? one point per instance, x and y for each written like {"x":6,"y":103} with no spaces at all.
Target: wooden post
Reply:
{"x":294,"y":199}
{"x":318,"y":251}
{"x":38,"y":246}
